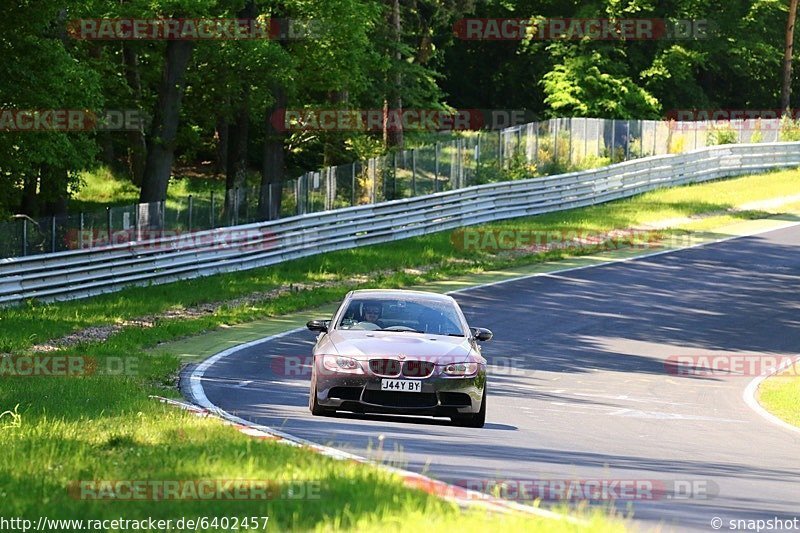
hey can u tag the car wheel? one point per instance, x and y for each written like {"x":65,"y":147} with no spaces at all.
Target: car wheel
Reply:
{"x":315,"y":407}
{"x":476,"y":420}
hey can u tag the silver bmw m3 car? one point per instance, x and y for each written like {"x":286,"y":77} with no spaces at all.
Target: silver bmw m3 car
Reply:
{"x":400,"y":352}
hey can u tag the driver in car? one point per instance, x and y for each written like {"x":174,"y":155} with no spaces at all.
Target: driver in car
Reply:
{"x":372,"y":313}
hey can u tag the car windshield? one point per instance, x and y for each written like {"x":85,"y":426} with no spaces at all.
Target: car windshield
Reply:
{"x":428,"y":316}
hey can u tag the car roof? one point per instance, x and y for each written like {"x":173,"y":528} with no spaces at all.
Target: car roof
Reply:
{"x":388,"y":294}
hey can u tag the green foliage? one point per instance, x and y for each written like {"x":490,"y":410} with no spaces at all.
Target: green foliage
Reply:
{"x":723,"y":134}
{"x":590,"y":85}
{"x":790,"y":129}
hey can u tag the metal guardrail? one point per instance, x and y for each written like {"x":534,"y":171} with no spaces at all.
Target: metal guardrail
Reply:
{"x":83,"y":273}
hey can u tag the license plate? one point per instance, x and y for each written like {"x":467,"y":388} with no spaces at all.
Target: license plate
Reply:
{"x":401,"y":385}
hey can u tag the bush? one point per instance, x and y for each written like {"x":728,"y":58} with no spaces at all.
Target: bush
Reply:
{"x":721,"y":135}
{"x":790,"y":129}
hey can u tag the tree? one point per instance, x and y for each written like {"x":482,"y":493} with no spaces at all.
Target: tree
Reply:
{"x":786,"y":85}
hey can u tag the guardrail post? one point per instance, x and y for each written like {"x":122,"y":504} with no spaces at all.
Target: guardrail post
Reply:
{"x":191,"y":205}
{"x":53,"y":234}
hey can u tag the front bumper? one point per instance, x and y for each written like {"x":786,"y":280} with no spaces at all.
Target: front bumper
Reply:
{"x":441,"y":395}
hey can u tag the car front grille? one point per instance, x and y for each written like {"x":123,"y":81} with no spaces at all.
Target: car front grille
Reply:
{"x":409,"y":369}
{"x":417,"y":369}
{"x":385,"y":367}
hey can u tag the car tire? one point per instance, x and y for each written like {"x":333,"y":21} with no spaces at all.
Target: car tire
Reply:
{"x":476,"y":420}
{"x":314,"y":406}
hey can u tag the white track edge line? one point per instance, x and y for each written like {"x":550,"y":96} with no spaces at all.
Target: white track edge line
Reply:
{"x":200,"y":397}
{"x":749,"y":396}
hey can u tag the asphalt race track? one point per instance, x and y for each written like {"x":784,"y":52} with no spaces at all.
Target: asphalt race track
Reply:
{"x":581,"y":388}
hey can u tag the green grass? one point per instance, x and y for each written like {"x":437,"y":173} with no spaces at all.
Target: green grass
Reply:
{"x":104,"y":427}
{"x":93,"y":429}
{"x":780,"y":395}
{"x":101,"y":187}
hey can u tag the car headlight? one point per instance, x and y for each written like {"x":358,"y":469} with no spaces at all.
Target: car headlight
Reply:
{"x":339,"y":363}
{"x":461,"y":369}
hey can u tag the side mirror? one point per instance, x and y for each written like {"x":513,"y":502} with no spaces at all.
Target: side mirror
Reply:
{"x":481,"y":334}
{"x":320,"y":326}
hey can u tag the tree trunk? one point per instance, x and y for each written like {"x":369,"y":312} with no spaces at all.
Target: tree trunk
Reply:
{"x":54,"y":193}
{"x":394,"y":133}
{"x":238,"y":136}
{"x":161,"y":142}
{"x":29,"y":204}
{"x":222,"y":135}
{"x":788,"y":51}
{"x":273,"y":168}
{"x":137,"y":146}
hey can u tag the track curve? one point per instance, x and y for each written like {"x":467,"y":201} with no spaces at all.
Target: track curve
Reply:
{"x":581,"y":387}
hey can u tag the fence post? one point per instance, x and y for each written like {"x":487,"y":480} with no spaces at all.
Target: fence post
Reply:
{"x":627,"y":139}
{"x":108,"y":223}
{"x":24,"y":237}
{"x":499,"y":147}
{"x":613,"y":138}
{"x":555,"y":140}
{"x":655,"y":136}
{"x":53,"y":234}
{"x":477,"y":158}
{"x":413,"y":172}
{"x":371,"y":167}
{"x":80,"y":231}
{"x":236,"y":205}
{"x":191,"y":205}
{"x":297,"y":206}
{"x":436,"y":165}
{"x":212,"y":210}
{"x":569,"y":125}
{"x":136,"y":232}
{"x":163,"y":216}
{"x":460,"y":156}
{"x":585,"y":138}
{"x":352,"y":184}
{"x":600,"y":129}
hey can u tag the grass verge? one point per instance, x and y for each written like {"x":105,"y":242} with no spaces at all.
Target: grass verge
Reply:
{"x":780,"y":395}
{"x":60,"y":430}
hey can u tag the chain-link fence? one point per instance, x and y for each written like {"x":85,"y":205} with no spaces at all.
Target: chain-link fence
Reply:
{"x":538,"y":148}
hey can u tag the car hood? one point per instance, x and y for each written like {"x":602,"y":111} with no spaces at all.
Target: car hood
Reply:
{"x":365,"y":345}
